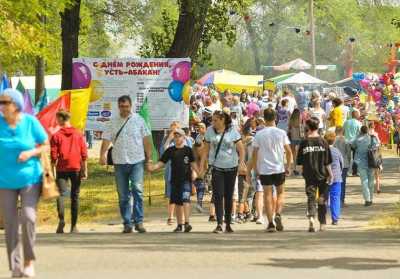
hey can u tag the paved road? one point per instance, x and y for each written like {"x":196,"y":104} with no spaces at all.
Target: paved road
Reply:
{"x":352,"y":250}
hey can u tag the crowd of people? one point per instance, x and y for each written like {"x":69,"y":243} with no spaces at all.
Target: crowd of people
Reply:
{"x":241,"y":148}
{"x":276,"y":134}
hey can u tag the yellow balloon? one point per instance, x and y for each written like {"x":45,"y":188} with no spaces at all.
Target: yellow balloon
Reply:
{"x":186,"y":93}
{"x":97,"y":90}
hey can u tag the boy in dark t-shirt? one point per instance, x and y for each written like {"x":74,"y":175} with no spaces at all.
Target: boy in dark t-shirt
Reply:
{"x":182,"y":163}
{"x":315,"y":158}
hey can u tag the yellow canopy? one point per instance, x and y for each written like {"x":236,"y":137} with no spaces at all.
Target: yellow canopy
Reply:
{"x":224,"y":79}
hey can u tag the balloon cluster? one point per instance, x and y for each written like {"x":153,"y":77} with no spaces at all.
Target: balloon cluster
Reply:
{"x":179,"y":89}
{"x":384,"y":91}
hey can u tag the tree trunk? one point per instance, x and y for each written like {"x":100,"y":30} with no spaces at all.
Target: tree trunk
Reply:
{"x":270,"y":52}
{"x":39,"y":78}
{"x":70,"y":22}
{"x":253,"y":44}
{"x":192,"y":19}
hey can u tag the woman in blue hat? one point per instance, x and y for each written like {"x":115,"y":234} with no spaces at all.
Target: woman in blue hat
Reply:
{"x":22,"y":140}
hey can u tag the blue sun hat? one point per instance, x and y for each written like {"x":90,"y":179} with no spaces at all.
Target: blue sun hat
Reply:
{"x":15,"y":96}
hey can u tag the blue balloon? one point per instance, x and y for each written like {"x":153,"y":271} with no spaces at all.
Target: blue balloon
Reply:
{"x":175,"y":91}
{"x":358,"y":76}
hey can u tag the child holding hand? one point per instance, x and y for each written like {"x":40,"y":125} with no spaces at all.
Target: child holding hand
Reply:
{"x":182,"y":164}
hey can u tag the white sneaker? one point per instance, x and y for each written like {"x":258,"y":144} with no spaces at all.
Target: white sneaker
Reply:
{"x":17,"y":274}
{"x":29,"y":271}
{"x":260,"y":221}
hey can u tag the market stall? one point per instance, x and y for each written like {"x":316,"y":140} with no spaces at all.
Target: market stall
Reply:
{"x":233,"y":81}
{"x":302,"y":79}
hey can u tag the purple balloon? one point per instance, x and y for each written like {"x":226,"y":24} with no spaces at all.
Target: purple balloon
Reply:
{"x":181,"y":71}
{"x":81,"y":76}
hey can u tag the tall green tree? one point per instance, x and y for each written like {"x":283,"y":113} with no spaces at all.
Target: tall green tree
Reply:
{"x":24,"y":36}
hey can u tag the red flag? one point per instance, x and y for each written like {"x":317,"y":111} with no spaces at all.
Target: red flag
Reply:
{"x":48,"y":115}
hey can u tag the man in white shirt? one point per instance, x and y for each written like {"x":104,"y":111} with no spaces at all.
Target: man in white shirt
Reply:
{"x":270,"y":146}
{"x":131,"y":140}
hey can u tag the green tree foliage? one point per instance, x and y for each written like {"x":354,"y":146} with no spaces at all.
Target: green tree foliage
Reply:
{"x":97,"y":37}
{"x":23,"y":36}
{"x":336,"y":21}
{"x":220,"y":24}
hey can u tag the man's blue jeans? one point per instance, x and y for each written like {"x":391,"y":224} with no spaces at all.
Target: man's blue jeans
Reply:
{"x":367,"y":183}
{"x":129,"y":179}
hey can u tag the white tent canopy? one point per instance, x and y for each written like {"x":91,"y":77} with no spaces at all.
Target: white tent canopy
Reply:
{"x":302,"y":78}
{"x":50,"y":81}
{"x":297,"y":64}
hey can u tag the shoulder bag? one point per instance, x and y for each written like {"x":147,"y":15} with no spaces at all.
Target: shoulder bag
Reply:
{"x":110,"y":161}
{"x":49,"y":186}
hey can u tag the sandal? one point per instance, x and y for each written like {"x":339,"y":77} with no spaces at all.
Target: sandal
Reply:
{"x":170,"y":221}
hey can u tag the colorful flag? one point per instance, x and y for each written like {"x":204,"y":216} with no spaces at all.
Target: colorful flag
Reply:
{"x":28,"y":106}
{"x":48,"y":115}
{"x":80,"y":99}
{"x":43,"y":101}
{"x":144,"y":112}
{"x":4,"y":84}
{"x":20,"y":87}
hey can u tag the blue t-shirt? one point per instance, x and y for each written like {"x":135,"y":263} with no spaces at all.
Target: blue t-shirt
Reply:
{"x":27,"y":134}
{"x":351,"y":129}
{"x":227,"y":156}
{"x":337,"y":165}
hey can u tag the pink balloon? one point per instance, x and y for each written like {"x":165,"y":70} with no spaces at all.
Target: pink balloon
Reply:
{"x":364,"y":83}
{"x":81,"y":76}
{"x":377,"y":95}
{"x":181,"y":71}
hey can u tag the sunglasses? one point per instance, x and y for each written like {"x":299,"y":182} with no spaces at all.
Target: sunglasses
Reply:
{"x":5,"y":102}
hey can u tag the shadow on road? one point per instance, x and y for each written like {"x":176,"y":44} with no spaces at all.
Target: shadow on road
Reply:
{"x":346,"y":263}
{"x":250,"y":241}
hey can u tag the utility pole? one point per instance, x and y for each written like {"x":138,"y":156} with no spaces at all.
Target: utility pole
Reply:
{"x":312,"y":33}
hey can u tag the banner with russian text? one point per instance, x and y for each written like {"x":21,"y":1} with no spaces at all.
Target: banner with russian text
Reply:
{"x":162,"y":81}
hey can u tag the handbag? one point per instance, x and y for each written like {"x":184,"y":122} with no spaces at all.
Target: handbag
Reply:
{"x":49,"y":186}
{"x":110,"y":161}
{"x":374,"y":157}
